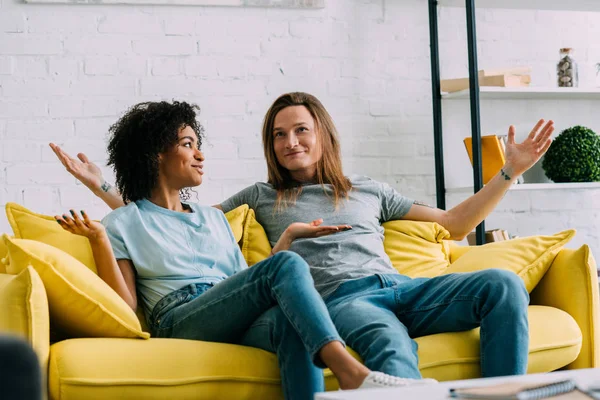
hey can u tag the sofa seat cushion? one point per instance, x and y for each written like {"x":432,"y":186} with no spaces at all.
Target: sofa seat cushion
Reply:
{"x":115,"y":368}
{"x":554,"y":341}
{"x":98,"y":368}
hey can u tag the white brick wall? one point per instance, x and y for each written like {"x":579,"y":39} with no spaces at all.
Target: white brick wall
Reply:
{"x":67,"y":72}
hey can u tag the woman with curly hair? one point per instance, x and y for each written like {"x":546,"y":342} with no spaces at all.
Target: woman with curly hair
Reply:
{"x":184,"y":262}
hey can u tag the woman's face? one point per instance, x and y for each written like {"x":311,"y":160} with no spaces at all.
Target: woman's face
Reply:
{"x":296,"y":142}
{"x":182,"y":165}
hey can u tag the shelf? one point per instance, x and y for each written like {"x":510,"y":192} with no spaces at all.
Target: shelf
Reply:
{"x":528,"y":93}
{"x":566,"y":5}
{"x":537,"y":186}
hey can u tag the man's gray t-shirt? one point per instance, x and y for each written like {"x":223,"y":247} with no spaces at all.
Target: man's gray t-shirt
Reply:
{"x":342,"y":256}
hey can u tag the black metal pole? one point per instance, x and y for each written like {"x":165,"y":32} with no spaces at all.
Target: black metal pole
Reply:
{"x":475,"y":116}
{"x":440,"y":184}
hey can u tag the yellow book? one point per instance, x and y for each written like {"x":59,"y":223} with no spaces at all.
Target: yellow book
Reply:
{"x":492,"y":155}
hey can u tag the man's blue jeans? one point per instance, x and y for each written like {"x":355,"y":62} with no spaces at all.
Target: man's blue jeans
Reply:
{"x":378,"y":315}
{"x":273,"y":306}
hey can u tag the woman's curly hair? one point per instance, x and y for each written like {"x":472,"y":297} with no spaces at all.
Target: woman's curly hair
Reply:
{"x":136,"y":139}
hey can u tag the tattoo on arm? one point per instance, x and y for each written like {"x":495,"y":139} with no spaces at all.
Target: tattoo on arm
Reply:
{"x":105,"y":186}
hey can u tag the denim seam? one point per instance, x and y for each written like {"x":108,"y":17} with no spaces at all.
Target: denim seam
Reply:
{"x":211,"y":303}
{"x":435,"y":305}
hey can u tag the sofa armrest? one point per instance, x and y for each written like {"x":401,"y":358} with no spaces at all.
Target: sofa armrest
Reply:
{"x":571,"y":284}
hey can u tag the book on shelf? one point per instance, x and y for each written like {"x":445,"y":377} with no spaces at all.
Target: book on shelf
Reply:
{"x":492,"y":155}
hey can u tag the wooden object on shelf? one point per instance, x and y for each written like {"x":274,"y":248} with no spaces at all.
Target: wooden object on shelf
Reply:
{"x":500,"y":77}
{"x":492,"y":155}
{"x":494,"y":235}
{"x":456,"y":85}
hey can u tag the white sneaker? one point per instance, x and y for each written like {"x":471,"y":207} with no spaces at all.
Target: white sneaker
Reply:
{"x":380,"y":380}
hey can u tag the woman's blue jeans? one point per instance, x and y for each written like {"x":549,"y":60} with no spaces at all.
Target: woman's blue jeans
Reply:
{"x":273,"y":306}
{"x":378,"y":316}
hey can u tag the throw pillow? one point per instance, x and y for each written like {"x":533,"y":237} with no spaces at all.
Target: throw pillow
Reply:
{"x":236,"y":218}
{"x":24,"y":312}
{"x":417,"y":249}
{"x":529,"y":257}
{"x":3,"y":258}
{"x":81,"y":304}
{"x":255,"y":244}
{"x":43,"y":228}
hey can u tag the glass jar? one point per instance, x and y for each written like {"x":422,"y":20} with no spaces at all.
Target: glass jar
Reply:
{"x":566,"y":69}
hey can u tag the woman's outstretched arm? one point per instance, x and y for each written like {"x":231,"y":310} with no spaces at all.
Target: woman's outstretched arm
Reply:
{"x":90,"y":175}
{"x":464,"y":217}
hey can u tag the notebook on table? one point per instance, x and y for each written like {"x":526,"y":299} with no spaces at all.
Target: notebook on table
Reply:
{"x":566,"y":390}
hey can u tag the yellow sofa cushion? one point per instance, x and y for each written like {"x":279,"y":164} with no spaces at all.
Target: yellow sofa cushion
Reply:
{"x":255,"y":244}
{"x":43,"y":228}
{"x":24,"y":310}
{"x":417,"y":249}
{"x":550,"y":348}
{"x":3,"y":259}
{"x":81,"y":304}
{"x":236,"y":219}
{"x":181,"y":369}
{"x":161,"y":369}
{"x":529,"y":257}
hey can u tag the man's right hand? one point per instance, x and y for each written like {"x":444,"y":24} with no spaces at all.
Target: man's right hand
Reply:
{"x":83,"y":169}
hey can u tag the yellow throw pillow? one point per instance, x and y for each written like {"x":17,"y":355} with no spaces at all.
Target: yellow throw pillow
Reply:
{"x":3,"y":258}
{"x":529,"y":257}
{"x":24,"y":310}
{"x":417,"y":249}
{"x":236,"y":218}
{"x":81,"y":304}
{"x":44,"y":228}
{"x":255,"y":244}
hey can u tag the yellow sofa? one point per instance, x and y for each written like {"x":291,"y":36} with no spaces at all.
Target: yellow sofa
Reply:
{"x":563,"y":319}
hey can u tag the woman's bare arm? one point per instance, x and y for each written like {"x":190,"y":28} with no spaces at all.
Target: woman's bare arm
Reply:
{"x":90,"y":175}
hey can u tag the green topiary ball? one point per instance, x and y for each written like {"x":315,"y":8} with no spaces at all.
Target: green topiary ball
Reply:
{"x":574,"y":156}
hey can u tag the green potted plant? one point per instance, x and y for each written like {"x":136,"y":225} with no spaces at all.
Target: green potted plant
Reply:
{"x":574,"y":156}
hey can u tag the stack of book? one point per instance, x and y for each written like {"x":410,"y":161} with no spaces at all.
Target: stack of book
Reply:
{"x":504,"y":77}
{"x":494,"y":235}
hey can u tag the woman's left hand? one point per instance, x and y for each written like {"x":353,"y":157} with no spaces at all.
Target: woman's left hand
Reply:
{"x":522,"y":156}
{"x":299,"y":230}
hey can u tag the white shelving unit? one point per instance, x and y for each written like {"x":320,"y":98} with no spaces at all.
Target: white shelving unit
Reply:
{"x":531,"y":98}
{"x":529,"y":93}
{"x":564,"y":5}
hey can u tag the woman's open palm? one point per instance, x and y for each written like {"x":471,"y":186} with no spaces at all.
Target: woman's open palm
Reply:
{"x":83,"y":225}
{"x":83,"y":169}
{"x":522,"y":156}
{"x":314,"y":229}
